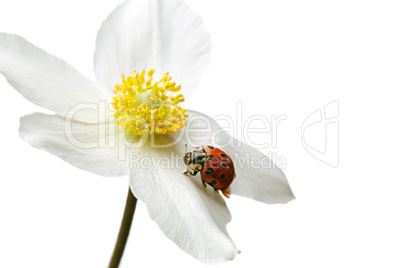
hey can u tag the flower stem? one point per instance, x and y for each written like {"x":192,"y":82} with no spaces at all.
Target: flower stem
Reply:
{"x":124,"y":230}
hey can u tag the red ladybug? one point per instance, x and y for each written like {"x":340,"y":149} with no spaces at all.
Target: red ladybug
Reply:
{"x":216,"y":167}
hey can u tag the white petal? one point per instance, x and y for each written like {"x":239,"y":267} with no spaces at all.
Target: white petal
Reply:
{"x":86,"y":146}
{"x":46,"y":80}
{"x":192,"y":216}
{"x":147,"y":34}
{"x":260,"y":180}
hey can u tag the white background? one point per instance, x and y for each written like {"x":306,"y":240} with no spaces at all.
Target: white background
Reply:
{"x":280,"y":58}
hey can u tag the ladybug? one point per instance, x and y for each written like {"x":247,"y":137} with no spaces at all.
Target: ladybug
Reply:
{"x":216,"y":167}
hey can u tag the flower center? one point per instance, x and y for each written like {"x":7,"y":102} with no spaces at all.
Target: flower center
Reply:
{"x":148,"y":107}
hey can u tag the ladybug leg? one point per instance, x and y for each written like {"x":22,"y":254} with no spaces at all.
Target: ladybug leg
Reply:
{"x":189,"y":171}
{"x":203,"y":182}
{"x":186,"y":171}
{"x":226,"y":192}
{"x":213,"y":186}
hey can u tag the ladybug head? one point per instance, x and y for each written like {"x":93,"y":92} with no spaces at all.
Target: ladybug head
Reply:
{"x":193,"y":159}
{"x":187,"y":158}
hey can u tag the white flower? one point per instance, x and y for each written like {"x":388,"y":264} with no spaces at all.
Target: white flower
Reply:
{"x":139,"y":34}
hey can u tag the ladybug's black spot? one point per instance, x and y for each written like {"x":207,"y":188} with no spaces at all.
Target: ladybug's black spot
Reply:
{"x":231,"y":180}
{"x":209,"y":171}
{"x":210,"y":157}
{"x":224,"y":156}
{"x":224,"y":166}
{"x":214,"y":181}
{"x":211,"y":147}
{"x":222,"y":176}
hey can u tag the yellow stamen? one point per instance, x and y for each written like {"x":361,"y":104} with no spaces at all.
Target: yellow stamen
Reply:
{"x":141,"y":106}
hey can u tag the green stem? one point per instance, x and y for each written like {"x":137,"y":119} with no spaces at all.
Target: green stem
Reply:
{"x":124,"y":230}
